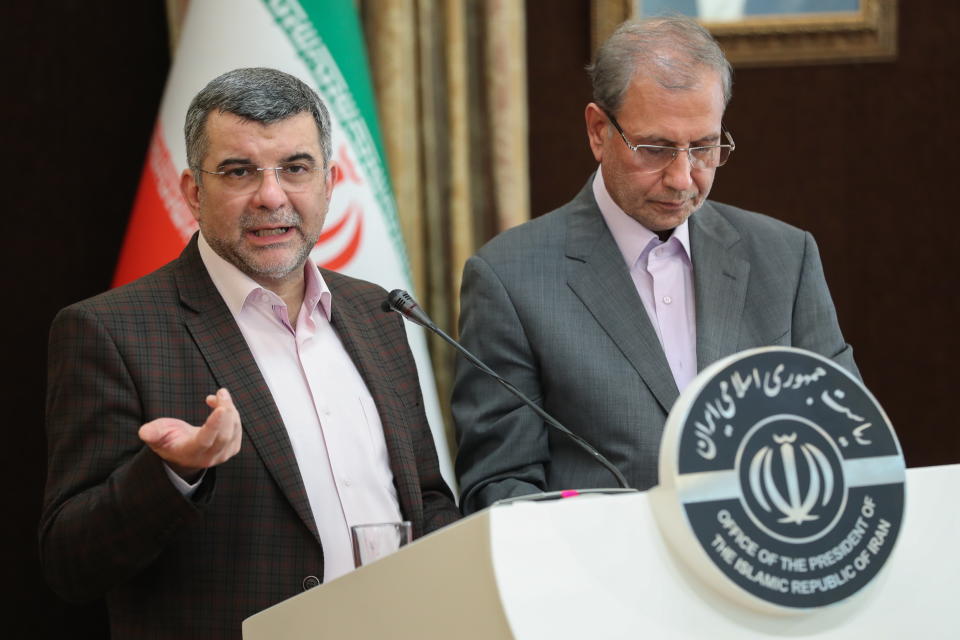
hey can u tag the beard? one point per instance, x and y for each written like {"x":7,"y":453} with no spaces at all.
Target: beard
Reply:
{"x":262,"y":262}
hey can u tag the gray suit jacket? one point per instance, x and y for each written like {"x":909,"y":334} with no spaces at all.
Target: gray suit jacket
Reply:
{"x":551,"y":307}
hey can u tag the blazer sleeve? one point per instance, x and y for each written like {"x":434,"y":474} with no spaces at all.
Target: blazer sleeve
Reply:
{"x":815,"y":326}
{"x":439,"y":508}
{"x":109,"y":507}
{"x":503,"y":444}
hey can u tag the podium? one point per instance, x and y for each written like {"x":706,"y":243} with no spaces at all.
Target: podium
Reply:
{"x":597,"y":566}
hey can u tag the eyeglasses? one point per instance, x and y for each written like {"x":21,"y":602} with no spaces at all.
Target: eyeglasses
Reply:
{"x":652,"y":158}
{"x":293,"y":177}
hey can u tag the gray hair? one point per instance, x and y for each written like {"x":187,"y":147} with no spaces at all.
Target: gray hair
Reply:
{"x":256,"y":94}
{"x":669,"y":49}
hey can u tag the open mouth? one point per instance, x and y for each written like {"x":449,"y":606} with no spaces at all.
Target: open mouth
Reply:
{"x":265,"y":233}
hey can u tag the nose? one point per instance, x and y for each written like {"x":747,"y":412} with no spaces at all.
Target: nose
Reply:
{"x":270,"y":193}
{"x":678,"y":175}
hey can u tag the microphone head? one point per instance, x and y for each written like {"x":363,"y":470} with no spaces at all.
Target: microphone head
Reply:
{"x":400,"y":300}
{"x":391,"y":303}
{"x":404,"y":304}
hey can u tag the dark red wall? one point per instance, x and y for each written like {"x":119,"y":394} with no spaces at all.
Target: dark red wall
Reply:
{"x":82,"y":82}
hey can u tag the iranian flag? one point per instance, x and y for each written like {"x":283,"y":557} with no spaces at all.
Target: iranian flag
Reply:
{"x":320,"y":42}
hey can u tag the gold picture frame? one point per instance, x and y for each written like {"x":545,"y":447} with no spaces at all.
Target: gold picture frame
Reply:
{"x":868,"y":34}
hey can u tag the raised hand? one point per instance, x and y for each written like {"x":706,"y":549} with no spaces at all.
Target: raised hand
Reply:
{"x":187,"y":449}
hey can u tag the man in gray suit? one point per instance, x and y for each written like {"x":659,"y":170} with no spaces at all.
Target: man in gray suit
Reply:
{"x":603,"y":310}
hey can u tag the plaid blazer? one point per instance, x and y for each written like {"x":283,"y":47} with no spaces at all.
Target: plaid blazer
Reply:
{"x":113,"y":524}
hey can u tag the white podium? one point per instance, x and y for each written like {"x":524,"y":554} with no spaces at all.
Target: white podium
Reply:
{"x":597,"y":566}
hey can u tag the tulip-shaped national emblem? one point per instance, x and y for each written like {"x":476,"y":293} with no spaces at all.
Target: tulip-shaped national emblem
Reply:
{"x":764,"y":485}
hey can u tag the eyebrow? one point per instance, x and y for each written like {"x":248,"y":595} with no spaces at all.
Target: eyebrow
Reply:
{"x":708,"y":140}
{"x":229,"y":161}
{"x":301,"y":155}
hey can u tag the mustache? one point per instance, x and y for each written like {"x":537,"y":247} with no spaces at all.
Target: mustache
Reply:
{"x":279,"y":218}
{"x":692,"y":194}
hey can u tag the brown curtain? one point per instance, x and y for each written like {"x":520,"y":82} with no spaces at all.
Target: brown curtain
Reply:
{"x":450,"y":81}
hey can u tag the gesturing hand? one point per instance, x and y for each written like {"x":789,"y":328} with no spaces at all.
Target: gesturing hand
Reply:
{"x":188,"y":450}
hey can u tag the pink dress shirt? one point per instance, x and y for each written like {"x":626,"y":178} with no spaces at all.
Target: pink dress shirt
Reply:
{"x":328,"y":412}
{"x":663,"y":275}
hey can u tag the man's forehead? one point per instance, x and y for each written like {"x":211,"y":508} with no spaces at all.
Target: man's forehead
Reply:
{"x":689,"y":81}
{"x":218,"y":119}
{"x":226,"y":130}
{"x":701,"y":97}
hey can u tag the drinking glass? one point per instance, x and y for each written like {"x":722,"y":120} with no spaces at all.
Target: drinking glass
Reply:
{"x":374,"y":541}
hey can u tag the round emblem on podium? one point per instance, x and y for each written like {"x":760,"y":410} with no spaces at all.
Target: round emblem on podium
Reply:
{"x":781,"y":480}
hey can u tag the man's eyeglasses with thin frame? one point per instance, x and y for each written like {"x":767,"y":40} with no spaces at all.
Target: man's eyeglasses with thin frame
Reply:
{"x":293,"y":177}
{"x":653,"y":157}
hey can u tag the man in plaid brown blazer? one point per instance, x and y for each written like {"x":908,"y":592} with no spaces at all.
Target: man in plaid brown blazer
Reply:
{"x":187,"y":530}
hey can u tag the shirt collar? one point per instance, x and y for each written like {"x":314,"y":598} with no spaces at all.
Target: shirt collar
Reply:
{"x":235,"y":286}
{"x":631,"y":237}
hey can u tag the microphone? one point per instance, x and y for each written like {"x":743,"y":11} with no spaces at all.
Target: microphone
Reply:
{"x":403,"y":303}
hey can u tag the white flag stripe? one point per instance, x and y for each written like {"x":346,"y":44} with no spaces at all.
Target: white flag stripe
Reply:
{"x":220,"y":35}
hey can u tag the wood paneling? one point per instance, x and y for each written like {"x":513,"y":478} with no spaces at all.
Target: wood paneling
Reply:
{"x":858,"y":154}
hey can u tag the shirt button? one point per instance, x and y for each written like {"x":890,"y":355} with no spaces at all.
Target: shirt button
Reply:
{"x":667,"y":299}
{"x":310,"y":582}
{"x":347,"y":483}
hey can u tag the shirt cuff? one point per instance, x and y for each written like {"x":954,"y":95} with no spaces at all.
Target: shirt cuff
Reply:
{"x":186,"y":489}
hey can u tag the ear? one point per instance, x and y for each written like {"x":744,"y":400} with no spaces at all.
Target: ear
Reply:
{"x":191,"y":192}
{"x":334,"y":175}
{"x":597,"y":129}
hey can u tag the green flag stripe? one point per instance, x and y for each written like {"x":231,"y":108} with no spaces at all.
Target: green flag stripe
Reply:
{"x":300,"y":28}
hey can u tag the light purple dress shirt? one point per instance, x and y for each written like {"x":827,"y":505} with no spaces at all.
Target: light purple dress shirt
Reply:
{"x":663,"y":275}
{"x":328,"y":412}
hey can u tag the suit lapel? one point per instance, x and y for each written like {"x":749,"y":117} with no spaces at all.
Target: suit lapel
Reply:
{"x":354,"y":328}
{"x":220,"y":341}
{"x":599,"y":277}
{"x":720,"y":284}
